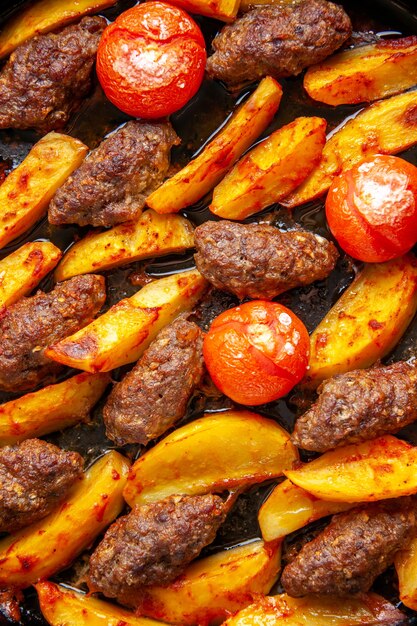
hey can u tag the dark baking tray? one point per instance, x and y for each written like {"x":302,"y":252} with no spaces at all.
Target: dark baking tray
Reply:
{"x":195,"y":124}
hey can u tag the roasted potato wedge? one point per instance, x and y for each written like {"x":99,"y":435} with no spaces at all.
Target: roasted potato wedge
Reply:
{"x":224,"y":10}
{"x":65,"y":607}
{"x":364,"y":472}
{"x":289,"y":508}
{"x":365,"y":73}
{"x":123,"y":333}
{"x":271,"y":170}
{"x":27,"y":190}
{"x":24,"y":268}
{"x":48,"y":546}
{"x":283,"y":610}
{"x":43,"y":16}
{"x":366,"y":322}
{"x":406,"y":566}
{"x":187,"y":462}
{"x":214,"y":587}
{"x":151,"y":235}
{"x":386,"y":127}
{"x":204,"y":172}
{"x":52,"y":408}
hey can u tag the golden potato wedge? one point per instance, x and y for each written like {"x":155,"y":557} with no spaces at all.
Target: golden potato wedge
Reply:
{"x":48,"y":546}
{"x":364,"y":472}
{"x":52,"y":408}
{"x":187,"y":462}
{"x":271,"y":170}
{"x":122,"y":334}
{"x":406,"y":567}
{"x":366,"y":322}
{"x":24,"y":268}
{"x":224,"y":10}
{"x":283,"y":610}
{"x":151,"y":235}
{"x":66,"y":607}
{"x":364,"y":74}
{"x":214,"y":587}
{"x":204,"y":172}
{"x":289,"y":508}
{"x":26,"y":192}
{"x":43,"y":16}
{"x":386,"y":127}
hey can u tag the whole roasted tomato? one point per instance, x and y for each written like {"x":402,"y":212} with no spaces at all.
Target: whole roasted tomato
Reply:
{"x":151,"y":60}
{"x":372,"y":209}
{"x":256,"y":352}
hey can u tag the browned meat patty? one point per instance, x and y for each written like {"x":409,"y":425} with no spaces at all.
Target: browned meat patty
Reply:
{"x":112,"y":184}
{"x":277,"y":41}
{"x":155,"y":393}
{"x":46,"y":78}
{"x":359,"y":405}
{"x":357,"y":546}
{"x":259,"y":261}
{"x":28,"y":327}
{"x":153,"y":544}
{"x":34,"y":477}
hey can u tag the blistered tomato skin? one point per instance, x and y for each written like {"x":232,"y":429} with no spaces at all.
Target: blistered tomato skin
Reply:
{"x":256,"y":352}
{"x":151,"y":60}
{"x":372,"y":209}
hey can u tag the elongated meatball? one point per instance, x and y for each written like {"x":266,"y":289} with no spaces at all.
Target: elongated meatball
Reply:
{"x":112,"y":184}
{"x":34,"y":477}
{"x":46,"y":78}
{"x":277,"y":41}
{"x":155,"y":393}
{"x":153,"y":544}
{"x":359,"y":405}
{"x":357,"y":546}
{"x":30,"y":325}
{"x":259,"y":261}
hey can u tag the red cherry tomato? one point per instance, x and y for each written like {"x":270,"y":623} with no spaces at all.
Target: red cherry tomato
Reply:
{"x":256,"y":352}
{"x":372,"y":209}
{"x":151,"y":60}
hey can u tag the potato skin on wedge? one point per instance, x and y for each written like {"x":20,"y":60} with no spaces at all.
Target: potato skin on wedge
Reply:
{"x":52,"y":408}
{"x":386,"y":127}
{"x":66,"y":607}
{"x":123,"y":333}
{"x":406,"y":568}
{"x":365,"y":73}
{"x":374,"y":470}
{"x":214,"y":587}
{"x":271,"y":170}
{"x":208,"y":168}
{"x":366,"y":609}
{"x":151,"y":235}
{"x":366,"y":322}
{"x":24,"y":268}
{"x":28,"y":189}
{"x":48,"y":546}
{"x":187,"y":462}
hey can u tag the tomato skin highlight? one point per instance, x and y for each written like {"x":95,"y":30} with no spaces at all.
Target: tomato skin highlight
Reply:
{"x":256,"y":352}
{"x":151,"y":60}
{"x":371,"y":209}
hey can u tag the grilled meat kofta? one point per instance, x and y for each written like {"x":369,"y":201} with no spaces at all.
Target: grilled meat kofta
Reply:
{"x":277,"y":41}
{"x":46,"y":78}
{"x":357,"y":546}
{"x":30,"y":325}
{"x":258,"y":260}
{"x":359,"y":405}
{"x":153,"y":544}
{"x":35,"y":476}
{"x":112,"y":184}
{"x":155,"y":393}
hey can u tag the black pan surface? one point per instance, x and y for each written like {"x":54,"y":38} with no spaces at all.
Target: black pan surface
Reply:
{"x":195,"y":124}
